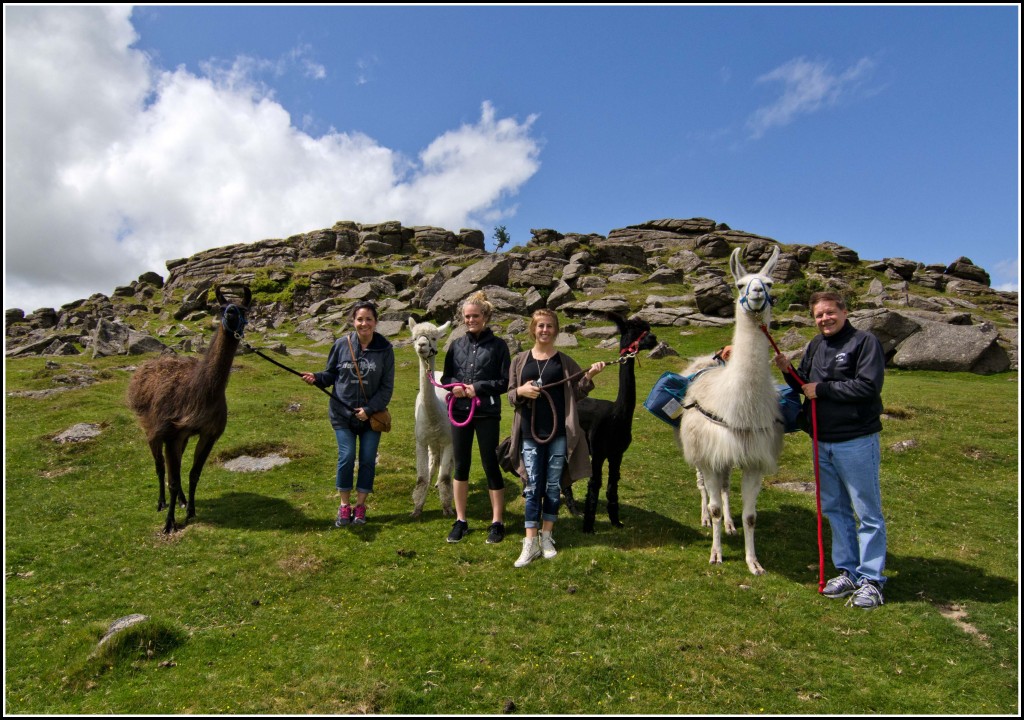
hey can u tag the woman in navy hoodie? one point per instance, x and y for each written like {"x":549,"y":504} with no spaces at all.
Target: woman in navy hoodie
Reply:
{"x":361,"y":367}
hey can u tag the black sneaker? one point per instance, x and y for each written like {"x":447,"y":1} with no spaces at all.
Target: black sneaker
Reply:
{"x":459,"y":530}
{"x":496,"y":533}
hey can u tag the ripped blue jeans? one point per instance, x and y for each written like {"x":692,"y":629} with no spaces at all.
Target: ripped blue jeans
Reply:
{"x":544,"y":466}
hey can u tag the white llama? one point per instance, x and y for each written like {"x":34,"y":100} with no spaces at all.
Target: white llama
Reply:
{"x":732,"y":416}
{"x":433,"y":429}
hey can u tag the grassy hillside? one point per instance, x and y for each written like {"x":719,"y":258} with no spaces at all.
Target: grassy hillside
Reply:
{"x":262,"y":606}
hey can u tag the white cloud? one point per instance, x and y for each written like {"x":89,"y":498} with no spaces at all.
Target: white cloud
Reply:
{"x":115,"y":166}
{"x":364,"y":69}
{"x":310,"y":67}
{"x":1006,"y":275}
{"x":807,"y":87}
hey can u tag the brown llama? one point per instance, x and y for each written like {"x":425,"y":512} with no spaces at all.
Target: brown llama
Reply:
{"x":178,"y":397}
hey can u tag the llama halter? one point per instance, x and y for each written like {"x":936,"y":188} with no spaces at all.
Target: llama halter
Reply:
{"x":745,"y":298}
{"x":630,"y":351}
{"x":236,"y":325}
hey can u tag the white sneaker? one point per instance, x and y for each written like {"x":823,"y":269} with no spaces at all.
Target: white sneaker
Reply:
{"x":531,"y":551}
{"x":547,"y":545}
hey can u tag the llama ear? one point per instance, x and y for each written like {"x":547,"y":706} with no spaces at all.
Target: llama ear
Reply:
{"x":246,"y":295}
{"x":620,"y":322}
{"x":772,"y":262}
{"x":444,"y":328}
{"x":219,"y":294}
{"x":412,"y":324}
{"x":735,"y":266}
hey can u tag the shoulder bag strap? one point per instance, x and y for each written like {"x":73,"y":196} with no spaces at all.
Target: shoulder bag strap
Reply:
{"x":355,"y":362}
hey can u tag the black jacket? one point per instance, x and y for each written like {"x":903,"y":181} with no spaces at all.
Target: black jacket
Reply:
{"x":483,"y":362}
{"x":849,"y":368}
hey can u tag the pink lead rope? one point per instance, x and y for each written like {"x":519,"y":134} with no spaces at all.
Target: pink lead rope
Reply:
{"x":817,"y":466}
{"x":451,"y":400}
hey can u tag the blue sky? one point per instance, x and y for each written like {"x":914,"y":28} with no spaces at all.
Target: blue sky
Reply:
{"x":135,"y":136}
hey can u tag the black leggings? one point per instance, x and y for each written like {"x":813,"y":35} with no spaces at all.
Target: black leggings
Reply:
{"x":487,"y":430}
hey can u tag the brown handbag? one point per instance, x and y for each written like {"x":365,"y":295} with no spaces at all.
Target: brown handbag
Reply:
{"x":380,"y":421}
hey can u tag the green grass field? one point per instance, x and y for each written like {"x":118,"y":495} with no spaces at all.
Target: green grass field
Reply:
{"x":262,"y":606}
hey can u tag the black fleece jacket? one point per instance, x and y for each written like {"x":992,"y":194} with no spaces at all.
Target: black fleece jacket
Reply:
{"x":481,"y":361}
{"x":849,"y":368}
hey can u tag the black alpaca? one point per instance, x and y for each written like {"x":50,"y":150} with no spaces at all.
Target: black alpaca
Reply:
{"x":609,"y":425}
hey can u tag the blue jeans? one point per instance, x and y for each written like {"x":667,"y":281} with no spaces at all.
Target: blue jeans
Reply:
{"x":850,"y":484}
{"x":368,"y":442}
{"x":544,"y":465}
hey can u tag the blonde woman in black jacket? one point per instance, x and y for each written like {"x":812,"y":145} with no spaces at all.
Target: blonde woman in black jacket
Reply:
{"x":479,"y":361}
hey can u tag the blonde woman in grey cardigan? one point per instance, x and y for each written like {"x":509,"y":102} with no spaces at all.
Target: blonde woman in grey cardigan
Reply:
{"x":547,"y":440}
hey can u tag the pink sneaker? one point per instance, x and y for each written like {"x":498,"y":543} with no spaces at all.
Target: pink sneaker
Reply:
{"x":344,"y":516}
{"x":360,"y":518}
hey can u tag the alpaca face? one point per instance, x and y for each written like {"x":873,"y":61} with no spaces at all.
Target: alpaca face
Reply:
{"x":632,"y":330}
{"x":425,"y":337}
{"x":425,"y":344}
{"x":642,"y":330}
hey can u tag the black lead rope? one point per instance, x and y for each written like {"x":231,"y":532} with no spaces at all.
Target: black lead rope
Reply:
{"x":325,"y":391}
{"x":625,"y":355}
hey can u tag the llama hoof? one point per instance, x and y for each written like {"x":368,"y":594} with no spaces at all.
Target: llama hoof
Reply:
{"x":447,"y":512}
{"x":618,"y":524}
{"x":730,"y":529}
{"x":715,"y":559}
{"x":589,"y":529}
{"x":755,"y":567}
{"x":416,"y":513}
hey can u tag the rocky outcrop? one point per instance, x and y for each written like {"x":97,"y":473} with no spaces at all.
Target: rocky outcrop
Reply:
{"x":930,"y":341}
{"x":934,"y":317}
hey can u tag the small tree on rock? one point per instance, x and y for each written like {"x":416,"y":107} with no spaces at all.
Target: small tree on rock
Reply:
{"x":501,"y":237}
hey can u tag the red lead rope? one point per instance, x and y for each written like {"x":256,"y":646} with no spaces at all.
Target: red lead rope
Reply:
{"x":632,"y":349}
{"x":817,"y":465}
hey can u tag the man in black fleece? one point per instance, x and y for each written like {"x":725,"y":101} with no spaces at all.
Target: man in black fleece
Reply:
{"x":844,"y":369}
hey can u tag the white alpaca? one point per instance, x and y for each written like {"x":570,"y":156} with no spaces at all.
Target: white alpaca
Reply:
{"x":433,"y":429}
{"x":732,"y":416}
